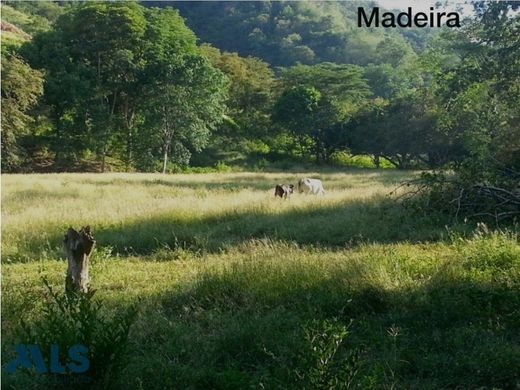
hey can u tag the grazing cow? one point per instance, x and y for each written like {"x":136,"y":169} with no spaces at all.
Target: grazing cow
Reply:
{"x":283,"y":190}
{"x":311,"y":186}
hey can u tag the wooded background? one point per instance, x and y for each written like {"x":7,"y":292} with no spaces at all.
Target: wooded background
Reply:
{"x":160,"y":86}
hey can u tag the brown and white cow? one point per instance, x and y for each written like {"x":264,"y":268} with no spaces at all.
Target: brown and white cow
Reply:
{"x":283,"y":190}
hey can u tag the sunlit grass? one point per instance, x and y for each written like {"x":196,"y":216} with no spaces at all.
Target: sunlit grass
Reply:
{"x":37,"y":209}
{"x":230,"y":279}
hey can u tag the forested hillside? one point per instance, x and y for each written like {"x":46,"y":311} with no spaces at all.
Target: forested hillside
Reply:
{"x":284,"y":33}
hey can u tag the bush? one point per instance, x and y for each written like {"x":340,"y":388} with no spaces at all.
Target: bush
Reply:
{"x":76,"y":318}
{"x":467,"y":195}
{"x":328,"y":363}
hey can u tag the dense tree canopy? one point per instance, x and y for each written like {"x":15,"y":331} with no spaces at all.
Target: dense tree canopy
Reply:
{"x":100,"y":61}
{"x":318,"y":102}
{"x":250,"y":96}
{"x":21,"y":88}
{"x":286,"y":32}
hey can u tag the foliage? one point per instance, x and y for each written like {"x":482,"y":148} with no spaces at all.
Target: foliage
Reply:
{"x":250,"y":96}
{"x":389,"y":82}
{"x":407,"y":131}
{"x":328,"y":364}
{"x":317,"y":103}
{"x":296,"y":109}
{"x":285,"y":33}
{"x":463,"y":198}
{"x":21,"y":89}
{"x":89,"y":67}
{"x":31,"y":16}
{"x":109,"y":72}
{"x":76,"y":318}
{"x":481,"y":97}
{"x":185,"y":101}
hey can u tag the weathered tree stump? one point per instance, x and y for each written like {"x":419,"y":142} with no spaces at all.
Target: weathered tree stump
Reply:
{"x":78,"y":247}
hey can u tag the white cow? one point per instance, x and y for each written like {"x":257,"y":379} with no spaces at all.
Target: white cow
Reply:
{"x":311,"y":186}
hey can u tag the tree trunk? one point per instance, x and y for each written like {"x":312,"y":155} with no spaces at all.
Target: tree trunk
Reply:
{"x":59,"y":143}
{"x":317,"y":150}
{"x":129,"y":149}
{"x":167,"y":138}
{"x":165,"y":159}
{"x":78,"y":247}
{"x":107,"y":132}
{"x":103,"y":157}
{"x":377,"y":161}
{"x":301,"y":144}
{"x":129,"y":120}
{"x":391,"y":160}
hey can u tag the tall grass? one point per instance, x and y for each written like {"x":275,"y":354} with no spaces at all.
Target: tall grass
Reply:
{"x":241,"y":290}
{"x":136,"y":213}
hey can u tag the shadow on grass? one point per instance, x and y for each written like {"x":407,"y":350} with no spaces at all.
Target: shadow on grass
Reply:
{"x":226,"y":184}
{"x":413,"y":321}
{"x":247,"y":326}
{"x":336,"y":226}
{"x":379,"y":220}
{"x":265,"y":181}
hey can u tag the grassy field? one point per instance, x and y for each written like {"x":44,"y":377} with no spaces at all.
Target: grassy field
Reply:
{"x":239,"y":290}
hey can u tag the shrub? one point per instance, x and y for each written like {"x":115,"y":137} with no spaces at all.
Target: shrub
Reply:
{"x":466,"y":195}
{"x":76,"y":318}
{"x":327,"y":363}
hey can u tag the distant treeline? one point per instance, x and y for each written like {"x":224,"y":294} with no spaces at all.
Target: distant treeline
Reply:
{"x":124,"y":86}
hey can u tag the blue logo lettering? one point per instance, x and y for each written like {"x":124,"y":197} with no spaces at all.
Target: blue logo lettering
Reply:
{"x":30,"y":355}
{"x":75,"y":354}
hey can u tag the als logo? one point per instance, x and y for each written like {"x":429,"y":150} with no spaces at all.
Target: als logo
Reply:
{"x":30,"y":355}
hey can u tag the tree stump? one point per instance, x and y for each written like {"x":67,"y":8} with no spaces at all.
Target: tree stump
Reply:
{"x":78,"y":247}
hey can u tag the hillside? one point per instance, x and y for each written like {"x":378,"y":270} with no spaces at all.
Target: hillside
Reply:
{"x":284,"y":33}
{"x":21,"y":20}
{"x":281,"y":33}
{"x":12,"y":34}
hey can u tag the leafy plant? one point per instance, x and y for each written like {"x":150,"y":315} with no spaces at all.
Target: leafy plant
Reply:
{"x":328,"y":363}
{"x":77,"y":318}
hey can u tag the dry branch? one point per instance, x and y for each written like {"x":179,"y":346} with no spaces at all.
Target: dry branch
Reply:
{"x":461,"y":199}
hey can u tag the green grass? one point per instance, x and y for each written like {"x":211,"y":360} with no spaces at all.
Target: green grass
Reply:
{"x":240,"y":290}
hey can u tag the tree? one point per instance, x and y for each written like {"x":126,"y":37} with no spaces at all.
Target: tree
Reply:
{"x":393,"y":51}
{"x":296,"y":110}
{"x":407,"y":130}
{"x":106,"y":39}
{"x":185,"y":98}
{"x":92,"y":60}
{"x":389,"y":82}
{"x":481,"y":91}
{"x":477,"y":87}
{"x":318,"y":102}
{"x":250,"y":97}
{"x":284,"y":33}
{"x":100,"y":61}
{"x":21,"y":88}
{"x":366,"y":135}
{"x":342,"y":83}
{"x":66,"y":93}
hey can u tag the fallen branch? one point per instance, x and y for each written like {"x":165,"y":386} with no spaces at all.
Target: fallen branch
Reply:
{"x":436,"y":192}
